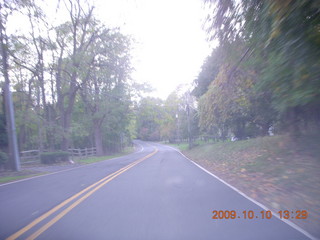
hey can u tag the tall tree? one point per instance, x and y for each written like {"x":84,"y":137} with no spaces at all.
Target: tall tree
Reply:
{"x":106,"y":84}
{"x":72,"y":42}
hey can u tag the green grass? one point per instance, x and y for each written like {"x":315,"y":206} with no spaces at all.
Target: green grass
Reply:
{"x":180,"y":146}
{"x":185,"y":146}
{"x":102,"y":158}
{"x":253,"y":152}
{"x":15,"y":178}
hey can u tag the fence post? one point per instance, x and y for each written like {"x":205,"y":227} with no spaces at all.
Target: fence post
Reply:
{"x":72,"y":154}
{"x":38,"y":156}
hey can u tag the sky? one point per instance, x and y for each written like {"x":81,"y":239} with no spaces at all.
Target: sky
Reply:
{"x":170,"y":43}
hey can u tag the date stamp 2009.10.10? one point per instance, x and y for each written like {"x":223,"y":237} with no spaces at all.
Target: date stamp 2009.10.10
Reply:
{"x":283,"y":214}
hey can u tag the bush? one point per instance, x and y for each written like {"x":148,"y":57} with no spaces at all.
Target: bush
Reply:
{"x":53,"y":157}
{"x":3,"y":158}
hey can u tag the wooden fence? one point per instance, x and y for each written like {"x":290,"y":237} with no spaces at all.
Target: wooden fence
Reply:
{"x":82,"y":153}
{"x":33,"y":156}
{"x":30,"y":156}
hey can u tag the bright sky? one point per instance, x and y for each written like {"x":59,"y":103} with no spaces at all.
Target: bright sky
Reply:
{"x":171,"y":43}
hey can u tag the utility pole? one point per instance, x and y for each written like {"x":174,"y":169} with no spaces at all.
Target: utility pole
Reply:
{"x":11,"y":129}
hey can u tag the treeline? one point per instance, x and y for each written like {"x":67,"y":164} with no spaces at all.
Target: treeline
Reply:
{"x":265,"y":73}
{"x":172,"y":119}
{"x":70,"y":81}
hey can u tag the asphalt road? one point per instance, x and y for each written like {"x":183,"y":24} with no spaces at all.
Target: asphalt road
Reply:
{"x":155,"y":193}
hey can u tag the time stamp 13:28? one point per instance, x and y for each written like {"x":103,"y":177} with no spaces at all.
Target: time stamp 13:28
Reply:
{"x":283,"y":214}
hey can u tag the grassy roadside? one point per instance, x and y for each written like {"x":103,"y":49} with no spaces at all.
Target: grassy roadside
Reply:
{"x":279,"y":173}
{"x":183,"y":146}
{"x":10,"y":176}
{"x":15,"y":178}
{"x":89,"y":160}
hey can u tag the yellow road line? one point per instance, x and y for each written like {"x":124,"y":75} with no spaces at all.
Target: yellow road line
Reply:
{"x":55,"y":209}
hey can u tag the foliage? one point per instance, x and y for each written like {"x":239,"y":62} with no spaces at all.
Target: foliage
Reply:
{"x":167,"y":120}
{"x":149,"y":116}
{"x":226,"y":104}
{"x":71,"y":81}
{"x":209,"y":71}
{"x":290,"y":47}
{"x":277,"y":44}
{"x":53,"y":157}
{"x":168,"y":128}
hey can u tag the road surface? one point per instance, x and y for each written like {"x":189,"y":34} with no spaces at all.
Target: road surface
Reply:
{"x":155,"y":193}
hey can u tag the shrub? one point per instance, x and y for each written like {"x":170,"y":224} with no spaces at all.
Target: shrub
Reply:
{"x":53,"y":157}
{"x":3,"y":158}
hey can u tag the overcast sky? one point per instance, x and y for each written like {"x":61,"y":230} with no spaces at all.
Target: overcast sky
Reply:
{"x":171,"y":43}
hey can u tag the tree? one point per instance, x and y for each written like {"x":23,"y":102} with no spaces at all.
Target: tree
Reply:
{"x":168,"y":128}
{"x":71,"y":81}
{"x":293,"y":46}
{"x":149,"y":117}
{"x":106,"y":79}
{"x":209,"y":71}
{"x":28,"y":53}
{"x":280,"y":44}
{"x":72,"y":42}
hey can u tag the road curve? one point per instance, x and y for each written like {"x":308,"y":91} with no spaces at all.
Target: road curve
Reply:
{"x":155,"y":193}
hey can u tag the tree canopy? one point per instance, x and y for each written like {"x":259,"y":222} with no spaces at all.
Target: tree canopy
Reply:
{"x":269,"y":73}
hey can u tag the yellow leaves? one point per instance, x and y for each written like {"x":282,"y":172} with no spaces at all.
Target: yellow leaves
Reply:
{"x":227,"y":96}
{"x":280,"y":8}
{"x":242,"y":101}
{"x":305,"y":76}
{"x":275,"y":33}
{"x":248,"y":83}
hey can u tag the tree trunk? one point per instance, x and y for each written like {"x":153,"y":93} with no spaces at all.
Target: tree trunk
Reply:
{"x":240,"y":130}
{"x":98,"y":137}
{"x":65,"y":135}
{"x":293,"y":122}
{"x":224,"y":133}
{"x":265,"y":129}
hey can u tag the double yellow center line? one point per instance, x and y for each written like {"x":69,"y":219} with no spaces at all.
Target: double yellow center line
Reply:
{"x":85,"y":192}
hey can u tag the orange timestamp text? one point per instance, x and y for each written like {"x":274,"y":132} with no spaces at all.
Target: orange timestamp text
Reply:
{"x":264,"y":214}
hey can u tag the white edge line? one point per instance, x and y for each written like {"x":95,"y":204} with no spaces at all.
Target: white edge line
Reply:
{"x":293,"y":225}
{"x":69,"y":169}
